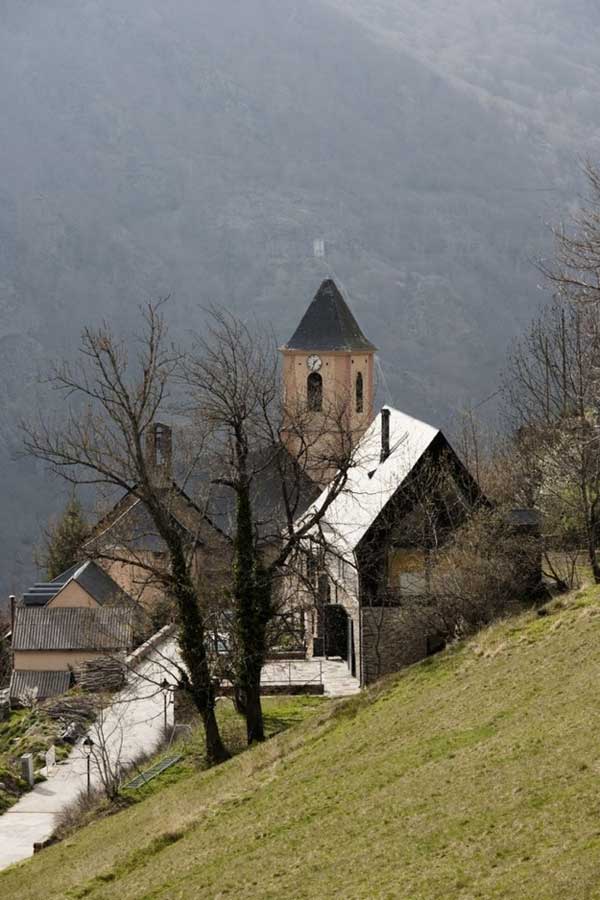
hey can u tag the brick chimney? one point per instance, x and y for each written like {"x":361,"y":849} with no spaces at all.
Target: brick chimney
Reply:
{"x":159,"y":452}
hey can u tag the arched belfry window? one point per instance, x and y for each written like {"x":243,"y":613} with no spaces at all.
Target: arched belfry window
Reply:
{"x":314,"y":391}
{"x":359,"y":393}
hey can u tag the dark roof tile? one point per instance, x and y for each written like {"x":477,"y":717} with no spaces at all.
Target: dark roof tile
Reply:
{"x":328,"y":324}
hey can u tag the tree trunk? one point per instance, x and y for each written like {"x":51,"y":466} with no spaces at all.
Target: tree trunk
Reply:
{"x":593,"y":557}
{"x":251,"y":616}
{"x":255,"y":729}
{"x":192,"y":643}
{"x":239,"y":699}
{"x":216,"y":751}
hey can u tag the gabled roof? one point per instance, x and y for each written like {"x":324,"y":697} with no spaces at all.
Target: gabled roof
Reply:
{"x":273,"y":470}
{"x":371,"y":483}
{"x":92,"y":578}
{"x":73,"y":628}
{"x":328,"y":324}
{"x":130,"y":524}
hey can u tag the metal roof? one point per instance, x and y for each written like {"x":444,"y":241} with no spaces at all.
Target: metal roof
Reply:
{"x":47,"y":684}
{"x":43,"y":591}
{"x":328,"y":324}
{"x":73,"y":628}
{"x":100,"y":585}
{"x":92,"y":578}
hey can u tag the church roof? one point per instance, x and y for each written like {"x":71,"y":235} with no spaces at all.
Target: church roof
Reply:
{"x":328,"y":324}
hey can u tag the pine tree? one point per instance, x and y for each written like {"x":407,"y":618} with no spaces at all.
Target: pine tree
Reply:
{"x":65,"y":539}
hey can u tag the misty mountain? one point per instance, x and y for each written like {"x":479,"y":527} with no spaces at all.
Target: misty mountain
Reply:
{"x":197,"y":149}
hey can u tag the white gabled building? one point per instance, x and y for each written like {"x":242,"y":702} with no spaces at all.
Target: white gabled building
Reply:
{"x":372,"y":551}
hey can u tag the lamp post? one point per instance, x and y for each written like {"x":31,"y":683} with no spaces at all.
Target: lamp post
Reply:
{"x":166,"y":687}
{"x":88,"y":746}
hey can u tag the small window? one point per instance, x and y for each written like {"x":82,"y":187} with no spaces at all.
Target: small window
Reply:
{"x":359,"y":393}
{"x":314,"y":389}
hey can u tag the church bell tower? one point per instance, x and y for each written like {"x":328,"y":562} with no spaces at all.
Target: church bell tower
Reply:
{"x":328,"y":368}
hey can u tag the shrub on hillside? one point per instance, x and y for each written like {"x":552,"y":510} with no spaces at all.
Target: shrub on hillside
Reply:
{"x":487,"y":568}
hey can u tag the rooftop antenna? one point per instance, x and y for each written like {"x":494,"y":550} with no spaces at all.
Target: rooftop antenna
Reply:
{"x":383,"y":381}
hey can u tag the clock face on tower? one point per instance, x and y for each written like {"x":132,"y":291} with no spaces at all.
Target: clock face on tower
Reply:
{"x":314,"y":363}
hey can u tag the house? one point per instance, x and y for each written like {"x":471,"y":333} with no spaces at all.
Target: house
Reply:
{"x":373,"y":545}
{"x":81,"y":615}
{"x":127,"y":544}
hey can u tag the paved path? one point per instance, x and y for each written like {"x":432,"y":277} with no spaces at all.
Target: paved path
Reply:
{"x":132,"y":725}
{"x":332,"y":673}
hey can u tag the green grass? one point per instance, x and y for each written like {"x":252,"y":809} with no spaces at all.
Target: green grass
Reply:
{"x":280,"y":713}
{"x":472,"y":775}
{"x":25,"y":731}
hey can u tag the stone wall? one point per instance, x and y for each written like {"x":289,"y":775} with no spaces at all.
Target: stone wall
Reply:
{"x":390,"y":641}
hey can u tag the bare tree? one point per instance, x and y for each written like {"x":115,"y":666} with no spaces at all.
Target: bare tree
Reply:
{"x":575,"y":270}
{"x":264,"y":457}
{"x":551,"y":398}
{"x":5,"y":655}
{"x":111,"y":404}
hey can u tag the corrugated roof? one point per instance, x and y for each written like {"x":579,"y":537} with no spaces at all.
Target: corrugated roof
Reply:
{"x":69,"y":628}
{"x":371,"y":483}
{"x":47,"y":684}
{"x":328,"y":324}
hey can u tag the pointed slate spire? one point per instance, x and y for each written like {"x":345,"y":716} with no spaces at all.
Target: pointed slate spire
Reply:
{"x":328,"y":324}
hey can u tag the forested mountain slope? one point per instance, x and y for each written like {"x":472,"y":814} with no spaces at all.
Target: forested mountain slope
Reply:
{"x":198,"y":149}
{"x":472,"y":774}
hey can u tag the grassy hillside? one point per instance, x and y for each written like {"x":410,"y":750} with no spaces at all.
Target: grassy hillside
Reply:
{"x":474,"y":774}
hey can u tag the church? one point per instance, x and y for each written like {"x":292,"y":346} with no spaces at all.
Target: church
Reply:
{"x":369,"y":562}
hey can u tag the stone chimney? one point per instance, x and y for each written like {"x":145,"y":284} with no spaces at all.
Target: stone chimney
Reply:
{"x":159,"y":452}
{"x":385,"y":434}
